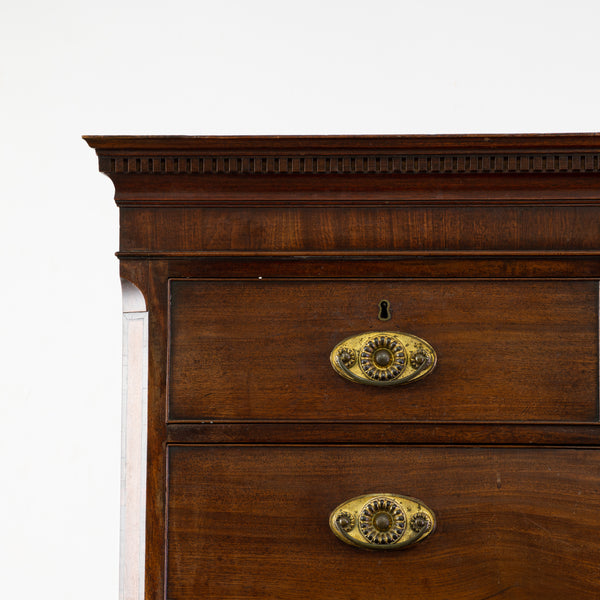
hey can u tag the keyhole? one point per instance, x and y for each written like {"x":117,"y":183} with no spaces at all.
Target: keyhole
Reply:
{"x":384,"y":311}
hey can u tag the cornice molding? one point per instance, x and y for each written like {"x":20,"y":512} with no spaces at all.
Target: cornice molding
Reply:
{"x":371,"y":164}
{"x":348,"y":155}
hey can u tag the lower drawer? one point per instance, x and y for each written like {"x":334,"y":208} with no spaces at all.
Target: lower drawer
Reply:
{"x":252,"y":522}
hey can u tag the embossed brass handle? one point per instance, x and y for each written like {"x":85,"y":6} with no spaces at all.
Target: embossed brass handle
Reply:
{"x":383,"y":358}
{"x":382,"y":521}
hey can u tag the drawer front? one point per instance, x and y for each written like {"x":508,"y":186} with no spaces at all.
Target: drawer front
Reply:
{"x":252,"y":522}
{"x":508,"y":350}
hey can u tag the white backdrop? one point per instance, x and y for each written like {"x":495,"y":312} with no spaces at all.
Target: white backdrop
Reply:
{"x":197,"y":67}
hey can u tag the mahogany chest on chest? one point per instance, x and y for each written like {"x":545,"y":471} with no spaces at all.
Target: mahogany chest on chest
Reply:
{"x":372,"y":366}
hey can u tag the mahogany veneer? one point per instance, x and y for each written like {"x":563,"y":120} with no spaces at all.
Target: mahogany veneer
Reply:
{"x":256,"y":256}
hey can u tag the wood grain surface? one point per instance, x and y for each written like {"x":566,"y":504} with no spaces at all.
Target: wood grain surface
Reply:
{"x":252,"y":523}
{"x":355,"y":228}
{"x":507,"y":350}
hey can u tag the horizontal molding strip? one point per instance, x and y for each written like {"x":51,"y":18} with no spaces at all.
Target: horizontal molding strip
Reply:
{"x":175,"y":200}
{"x":366,"y":164}
{"x":329,"y":254}
{"x":520,"y":434}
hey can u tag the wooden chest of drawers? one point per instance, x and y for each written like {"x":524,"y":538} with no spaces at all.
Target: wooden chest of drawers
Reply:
{"x":259,"y":258}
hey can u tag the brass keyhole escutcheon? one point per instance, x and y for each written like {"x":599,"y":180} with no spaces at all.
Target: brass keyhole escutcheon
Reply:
{"x":385,"y":313}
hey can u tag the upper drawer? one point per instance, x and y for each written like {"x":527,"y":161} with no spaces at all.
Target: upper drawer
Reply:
{"x":259,"y":349}
{"x":358,"y":229}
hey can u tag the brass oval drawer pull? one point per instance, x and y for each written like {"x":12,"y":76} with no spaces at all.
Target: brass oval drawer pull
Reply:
{"x":382,"y":521}
{"x":383,"y":358}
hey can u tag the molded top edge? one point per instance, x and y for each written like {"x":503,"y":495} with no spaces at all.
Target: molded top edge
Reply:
{"x":325,"y":144}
